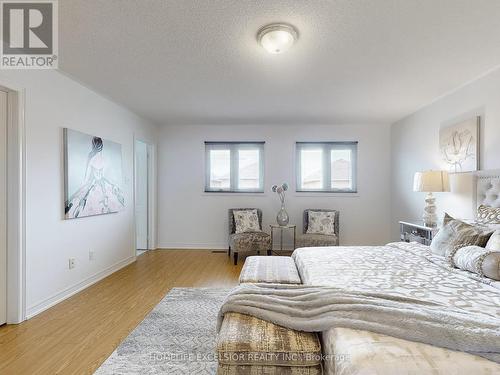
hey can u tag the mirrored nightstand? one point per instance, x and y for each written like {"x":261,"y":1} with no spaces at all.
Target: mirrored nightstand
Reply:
{"x":416,"y":231}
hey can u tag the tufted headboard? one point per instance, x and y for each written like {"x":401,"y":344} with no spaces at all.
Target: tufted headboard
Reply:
{"x":487,"y":189}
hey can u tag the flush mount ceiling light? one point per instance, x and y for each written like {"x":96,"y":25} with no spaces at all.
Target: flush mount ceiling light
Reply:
{"x":277,"y":37}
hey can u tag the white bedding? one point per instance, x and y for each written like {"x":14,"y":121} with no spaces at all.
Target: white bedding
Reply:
{"x":403,"y":269}
{"x":361,"y":352}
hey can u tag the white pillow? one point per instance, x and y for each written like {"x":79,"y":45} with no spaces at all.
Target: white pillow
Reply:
{"x":321,"y":222}
{"x":494,"y":241}
{"x":246,"y":221}
{"x":477,"y":260}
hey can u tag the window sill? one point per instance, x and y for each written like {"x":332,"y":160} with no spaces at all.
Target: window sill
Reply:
{"x":233,"y":194}
{"x":325,"y":194}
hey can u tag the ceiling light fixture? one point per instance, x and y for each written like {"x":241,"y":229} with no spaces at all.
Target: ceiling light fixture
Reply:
{"x":277,"y":37}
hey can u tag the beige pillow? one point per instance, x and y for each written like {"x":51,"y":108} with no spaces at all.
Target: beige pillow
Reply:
{"x":456,"y":233}
{"x":447,"y":218}
{"x":321,"y":222}
{"x":246,"y":221}
{"x":478,"y":260}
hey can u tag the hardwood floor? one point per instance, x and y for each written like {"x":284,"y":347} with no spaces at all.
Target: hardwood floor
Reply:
{"x":77,"y":335}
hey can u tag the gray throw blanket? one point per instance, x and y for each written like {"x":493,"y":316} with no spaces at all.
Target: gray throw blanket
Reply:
{"x":317,"y":309}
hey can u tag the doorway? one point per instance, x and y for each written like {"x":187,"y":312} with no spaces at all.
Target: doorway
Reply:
{"x":142,"y":195}
{"x":3,"y":207}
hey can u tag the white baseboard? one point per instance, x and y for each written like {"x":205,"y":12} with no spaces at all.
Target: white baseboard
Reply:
{"x":193,"y":246}
{"x":72,"y":290}
{"x":204,"y":246}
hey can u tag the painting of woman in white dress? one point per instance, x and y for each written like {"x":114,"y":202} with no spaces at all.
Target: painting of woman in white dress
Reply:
{"x":93,"y":171}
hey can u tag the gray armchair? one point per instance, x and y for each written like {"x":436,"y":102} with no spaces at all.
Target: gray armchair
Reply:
{"x":249,"y":241}
{"x":318,"y":240}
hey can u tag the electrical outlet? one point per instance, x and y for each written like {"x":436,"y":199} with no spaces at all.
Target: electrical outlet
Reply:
{"x":91,"y":255}
{"x":71,"y":263}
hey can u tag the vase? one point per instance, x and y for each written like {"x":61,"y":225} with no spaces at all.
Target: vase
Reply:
{"x":282,"y":218}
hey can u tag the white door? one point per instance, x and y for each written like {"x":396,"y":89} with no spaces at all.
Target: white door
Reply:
{"x":3,"y":207}
{"x":141,"y":195}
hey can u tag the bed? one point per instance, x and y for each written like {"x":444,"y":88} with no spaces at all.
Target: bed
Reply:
{"x":404,"y":270}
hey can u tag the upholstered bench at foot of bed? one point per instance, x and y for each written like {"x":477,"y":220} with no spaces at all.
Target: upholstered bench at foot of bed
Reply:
{"x":267,"y":370}
{"x":276,"y":269}
{"x":245,"y":342}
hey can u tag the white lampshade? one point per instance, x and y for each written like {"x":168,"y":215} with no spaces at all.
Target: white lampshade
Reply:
{"x":431,"y":181}
{"x":277,"y":38}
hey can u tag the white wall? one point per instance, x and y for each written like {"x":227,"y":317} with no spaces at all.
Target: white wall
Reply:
{"x":54,"y":101}
{"x":189,"y":218}
{"x":415,"y":147}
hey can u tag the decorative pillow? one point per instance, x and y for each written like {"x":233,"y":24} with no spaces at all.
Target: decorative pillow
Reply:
{"x":456,"y":233}
{"x":447,"y":218}
{"x":321,"y":222}
{"x":246,"y":221}
{"x":494,"y":241}
{"x":477,"y":260}
{"x":488,"y":215}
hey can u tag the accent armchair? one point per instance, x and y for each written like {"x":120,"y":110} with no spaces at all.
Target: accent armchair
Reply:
{"x":318,"y":240}
{"x":248,"y":241}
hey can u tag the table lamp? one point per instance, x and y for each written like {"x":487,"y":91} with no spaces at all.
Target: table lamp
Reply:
{"x":431,"y":182}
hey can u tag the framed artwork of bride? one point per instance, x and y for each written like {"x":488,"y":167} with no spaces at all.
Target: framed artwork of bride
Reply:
{"x":93,"y":175}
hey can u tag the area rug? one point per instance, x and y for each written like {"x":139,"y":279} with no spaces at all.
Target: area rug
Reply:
{"x":177,"y":337}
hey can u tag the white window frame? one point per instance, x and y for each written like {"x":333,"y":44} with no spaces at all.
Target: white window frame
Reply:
{"x":233,"y":148}
{"x":327,"y":147}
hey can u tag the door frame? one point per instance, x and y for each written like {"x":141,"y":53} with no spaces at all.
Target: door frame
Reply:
{"x":151,"y":149}
{"x":16,"y":203}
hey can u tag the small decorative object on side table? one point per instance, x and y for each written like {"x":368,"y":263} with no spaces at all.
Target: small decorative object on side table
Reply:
{"x":282,"y":218}
{"x":281,"y":228}
{"x":417,"y":231}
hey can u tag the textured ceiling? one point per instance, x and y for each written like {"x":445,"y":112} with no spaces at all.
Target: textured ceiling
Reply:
{"x":186,"y":61}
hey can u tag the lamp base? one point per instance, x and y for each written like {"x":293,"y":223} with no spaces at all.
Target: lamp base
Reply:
{"x":429,"y":216}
